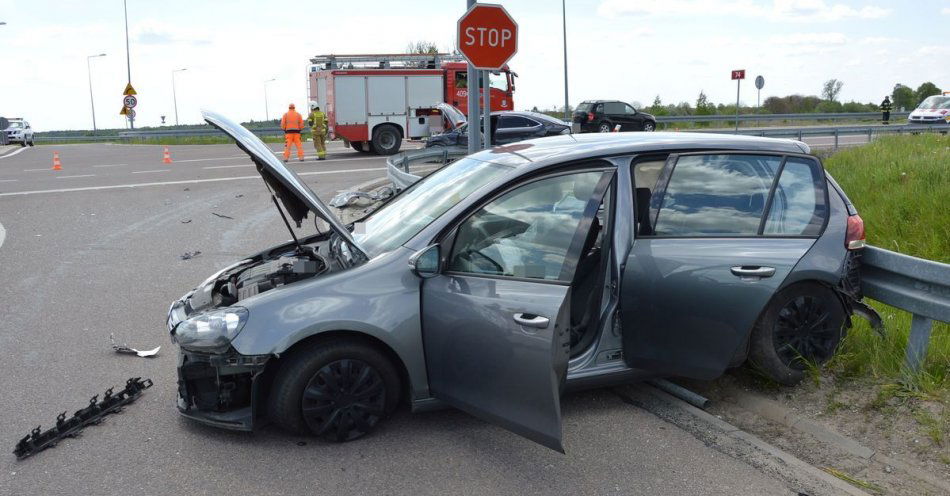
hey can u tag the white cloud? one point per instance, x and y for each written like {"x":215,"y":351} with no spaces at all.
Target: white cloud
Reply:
{"x":809,"y":39}
{"x":879,"y":40}
{"x":945,"y":11}
{"x":780,"y":10}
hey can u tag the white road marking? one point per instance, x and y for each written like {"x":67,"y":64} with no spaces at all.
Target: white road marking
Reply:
{"x":21,"y":150}
{"x":70,"y":177}
{"x":34,"y":170}
{"x":8,"y":180}
{"x":188,"y":181}
{"x":148,"y":171}
{"x":210,"y":159}
{"x":228,"y":166}
{"x":109,"y":165}
{"x":3,"y":234}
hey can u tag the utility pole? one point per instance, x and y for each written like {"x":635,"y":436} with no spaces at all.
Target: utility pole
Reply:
{"x":91,"y":101}
{"x":128,"y":58}
{"x":471,"y":77}
{"x":486,"y":117}
{"x":567,"y":112}
{"x":174,"y":95}
{"x":266,"y":112}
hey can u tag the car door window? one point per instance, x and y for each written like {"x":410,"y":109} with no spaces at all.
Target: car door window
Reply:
{"x":508,"y":121}
{"x":716,"y":194}
{"x":629,"y":110}
{"x":527,"y":232}
{"x":798,"y":202}
{"x":614,"y":108}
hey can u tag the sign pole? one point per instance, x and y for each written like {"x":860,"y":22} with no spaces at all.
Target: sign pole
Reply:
{"x":567,"y":112}
{"x":738,"y":83}
{"x":486,"y":115}
{"x":128,"y":58}
{"x":471,"y":78}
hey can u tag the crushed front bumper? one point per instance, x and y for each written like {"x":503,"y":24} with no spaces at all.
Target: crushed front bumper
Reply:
{"x":220,"y":390}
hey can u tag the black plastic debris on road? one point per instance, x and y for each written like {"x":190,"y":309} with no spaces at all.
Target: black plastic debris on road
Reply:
{"x":37,"y":440}
{"x":186,"y":221}
{"x":222,"y":215}
{"x":188,"y":255}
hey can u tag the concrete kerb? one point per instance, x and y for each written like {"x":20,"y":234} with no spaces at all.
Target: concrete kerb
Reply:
{"x":730,"y":440}
{"x":774,"y":411}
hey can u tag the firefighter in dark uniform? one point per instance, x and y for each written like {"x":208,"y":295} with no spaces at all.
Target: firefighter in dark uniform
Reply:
{"x":886,"y":110}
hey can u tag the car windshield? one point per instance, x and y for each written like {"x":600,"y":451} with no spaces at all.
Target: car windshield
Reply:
{"x":933,"y":102}
{"x":413,"y":210}
{"x":15,"y":125}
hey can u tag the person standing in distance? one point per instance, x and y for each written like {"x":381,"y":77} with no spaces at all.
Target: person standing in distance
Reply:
{"x":886,"y":110}
{"x":292,"y":124}
{"x":318,"y":126}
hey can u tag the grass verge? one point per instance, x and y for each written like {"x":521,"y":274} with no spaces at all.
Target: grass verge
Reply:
{"x":900,"y":186}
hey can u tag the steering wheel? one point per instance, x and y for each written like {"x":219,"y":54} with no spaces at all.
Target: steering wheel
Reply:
{"x":468,"y":256}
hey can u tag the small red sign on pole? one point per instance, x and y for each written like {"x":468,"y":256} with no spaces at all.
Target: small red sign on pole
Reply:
{"x":738,"y":74}
{"x":487,"y":36}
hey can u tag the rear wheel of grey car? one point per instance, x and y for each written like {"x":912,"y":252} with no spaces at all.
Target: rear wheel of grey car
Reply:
{"x":338,"y":391}
{"x":802,"y":326}
{"x":604,"y":127}
{"x":386,"y":140}
{"x":649,"y":126}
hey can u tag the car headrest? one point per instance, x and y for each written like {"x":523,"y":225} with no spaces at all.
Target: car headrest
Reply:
{"x":644,"y":195}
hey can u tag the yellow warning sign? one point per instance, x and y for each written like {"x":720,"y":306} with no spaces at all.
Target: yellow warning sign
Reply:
{"x":129,"y":90}
{"x":124,"y":111}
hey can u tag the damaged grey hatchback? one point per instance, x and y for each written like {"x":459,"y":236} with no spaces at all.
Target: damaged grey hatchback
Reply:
{"x":515,"y":274}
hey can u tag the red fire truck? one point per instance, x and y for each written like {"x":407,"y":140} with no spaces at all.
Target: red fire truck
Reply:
{"x":373,"y":102}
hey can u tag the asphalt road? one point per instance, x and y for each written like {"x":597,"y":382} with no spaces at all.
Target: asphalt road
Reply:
{"x":83,"y":256}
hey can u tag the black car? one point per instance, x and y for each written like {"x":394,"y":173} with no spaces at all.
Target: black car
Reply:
{"x":603,"y":116}
{"x":506,"y":127}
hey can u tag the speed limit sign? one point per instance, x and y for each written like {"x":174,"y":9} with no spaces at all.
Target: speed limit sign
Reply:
{"x":129,"y":101}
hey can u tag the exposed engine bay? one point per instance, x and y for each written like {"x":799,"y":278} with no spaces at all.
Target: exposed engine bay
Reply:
{"x":280,"y":266}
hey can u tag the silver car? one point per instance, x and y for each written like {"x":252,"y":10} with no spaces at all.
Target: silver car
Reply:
{"x":513,"y":275}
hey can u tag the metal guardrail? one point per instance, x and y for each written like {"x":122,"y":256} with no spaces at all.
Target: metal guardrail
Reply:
{"x":919,"y":286}
{"x":836,"y":132}
{"x":398,"y":166}
{"x":779,"y":117}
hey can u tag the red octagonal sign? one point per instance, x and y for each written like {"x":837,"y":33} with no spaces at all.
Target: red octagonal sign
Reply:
{"x":487,"y":36}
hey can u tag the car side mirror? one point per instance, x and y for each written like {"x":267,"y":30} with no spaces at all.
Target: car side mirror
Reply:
{"x":425,"y":263}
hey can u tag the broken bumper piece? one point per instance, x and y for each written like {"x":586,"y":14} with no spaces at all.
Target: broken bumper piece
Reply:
{"x":220,"y":390}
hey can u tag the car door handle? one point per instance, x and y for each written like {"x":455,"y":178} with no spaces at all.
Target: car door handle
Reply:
{"x":753,"y":271}
{"x":531,"y":320}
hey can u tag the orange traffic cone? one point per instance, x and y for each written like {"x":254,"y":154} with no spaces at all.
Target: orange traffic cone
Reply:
{"x":167,"y":158}
{"x":57,"y":165}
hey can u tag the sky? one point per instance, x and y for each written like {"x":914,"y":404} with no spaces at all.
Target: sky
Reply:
{"x":631,"y":50}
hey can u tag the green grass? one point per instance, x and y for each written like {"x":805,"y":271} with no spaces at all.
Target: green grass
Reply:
{"x":900,"y":186}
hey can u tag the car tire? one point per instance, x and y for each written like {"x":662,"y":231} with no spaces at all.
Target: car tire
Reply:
{"x":805,"y":320}
{"x":604,"y":127}
{"x":23,"y":143}
{"x":316,"y":390}
{"x":386,"y":140}
{"x":649,"y":126}
{"x":32,"y":141}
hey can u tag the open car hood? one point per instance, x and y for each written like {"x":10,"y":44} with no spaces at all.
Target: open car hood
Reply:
{"x":296,"y":197}
{"x":453,"y":116}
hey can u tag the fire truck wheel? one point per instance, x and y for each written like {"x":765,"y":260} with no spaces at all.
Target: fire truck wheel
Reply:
{"x":386,"y":140}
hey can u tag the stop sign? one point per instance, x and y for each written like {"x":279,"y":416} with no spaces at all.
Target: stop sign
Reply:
{"x":487,"y":36}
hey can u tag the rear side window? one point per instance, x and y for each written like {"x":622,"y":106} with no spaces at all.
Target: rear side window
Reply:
{"x":516,"y":121}
{"x":798,"y":203}
{"x":738,"y":195}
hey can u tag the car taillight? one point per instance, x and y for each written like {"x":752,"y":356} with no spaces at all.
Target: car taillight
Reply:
{"x":854,"y":238}
{"x":590,"y":117}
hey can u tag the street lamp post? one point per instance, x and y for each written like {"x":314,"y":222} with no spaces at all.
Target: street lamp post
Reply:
{"x":266,"y":112}
{"x":91,"y":101}
{"x":567,"y":113}
{"x":174,"y":95}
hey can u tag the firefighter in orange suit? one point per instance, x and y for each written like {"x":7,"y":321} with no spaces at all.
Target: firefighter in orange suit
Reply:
{"x":292,"y":123}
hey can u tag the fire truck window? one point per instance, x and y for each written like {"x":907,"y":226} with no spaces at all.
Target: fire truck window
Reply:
{"x":499,"y":81}
{"x":461,"y":79}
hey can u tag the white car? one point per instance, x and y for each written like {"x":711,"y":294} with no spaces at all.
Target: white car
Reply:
{"x":933,"y":110}
{"x":19,"y":131}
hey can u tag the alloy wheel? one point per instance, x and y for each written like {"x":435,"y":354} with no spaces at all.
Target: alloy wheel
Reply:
{"x":344,"y":400}
{"x":806,"y":331}
{"x":605,"y":128}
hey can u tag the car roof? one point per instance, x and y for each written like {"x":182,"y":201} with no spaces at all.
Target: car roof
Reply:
{"x":540,"y":152}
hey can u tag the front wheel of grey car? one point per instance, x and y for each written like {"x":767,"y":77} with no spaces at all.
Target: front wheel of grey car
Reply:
{"x":799,"y":329}
{"x":338,"y":391}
